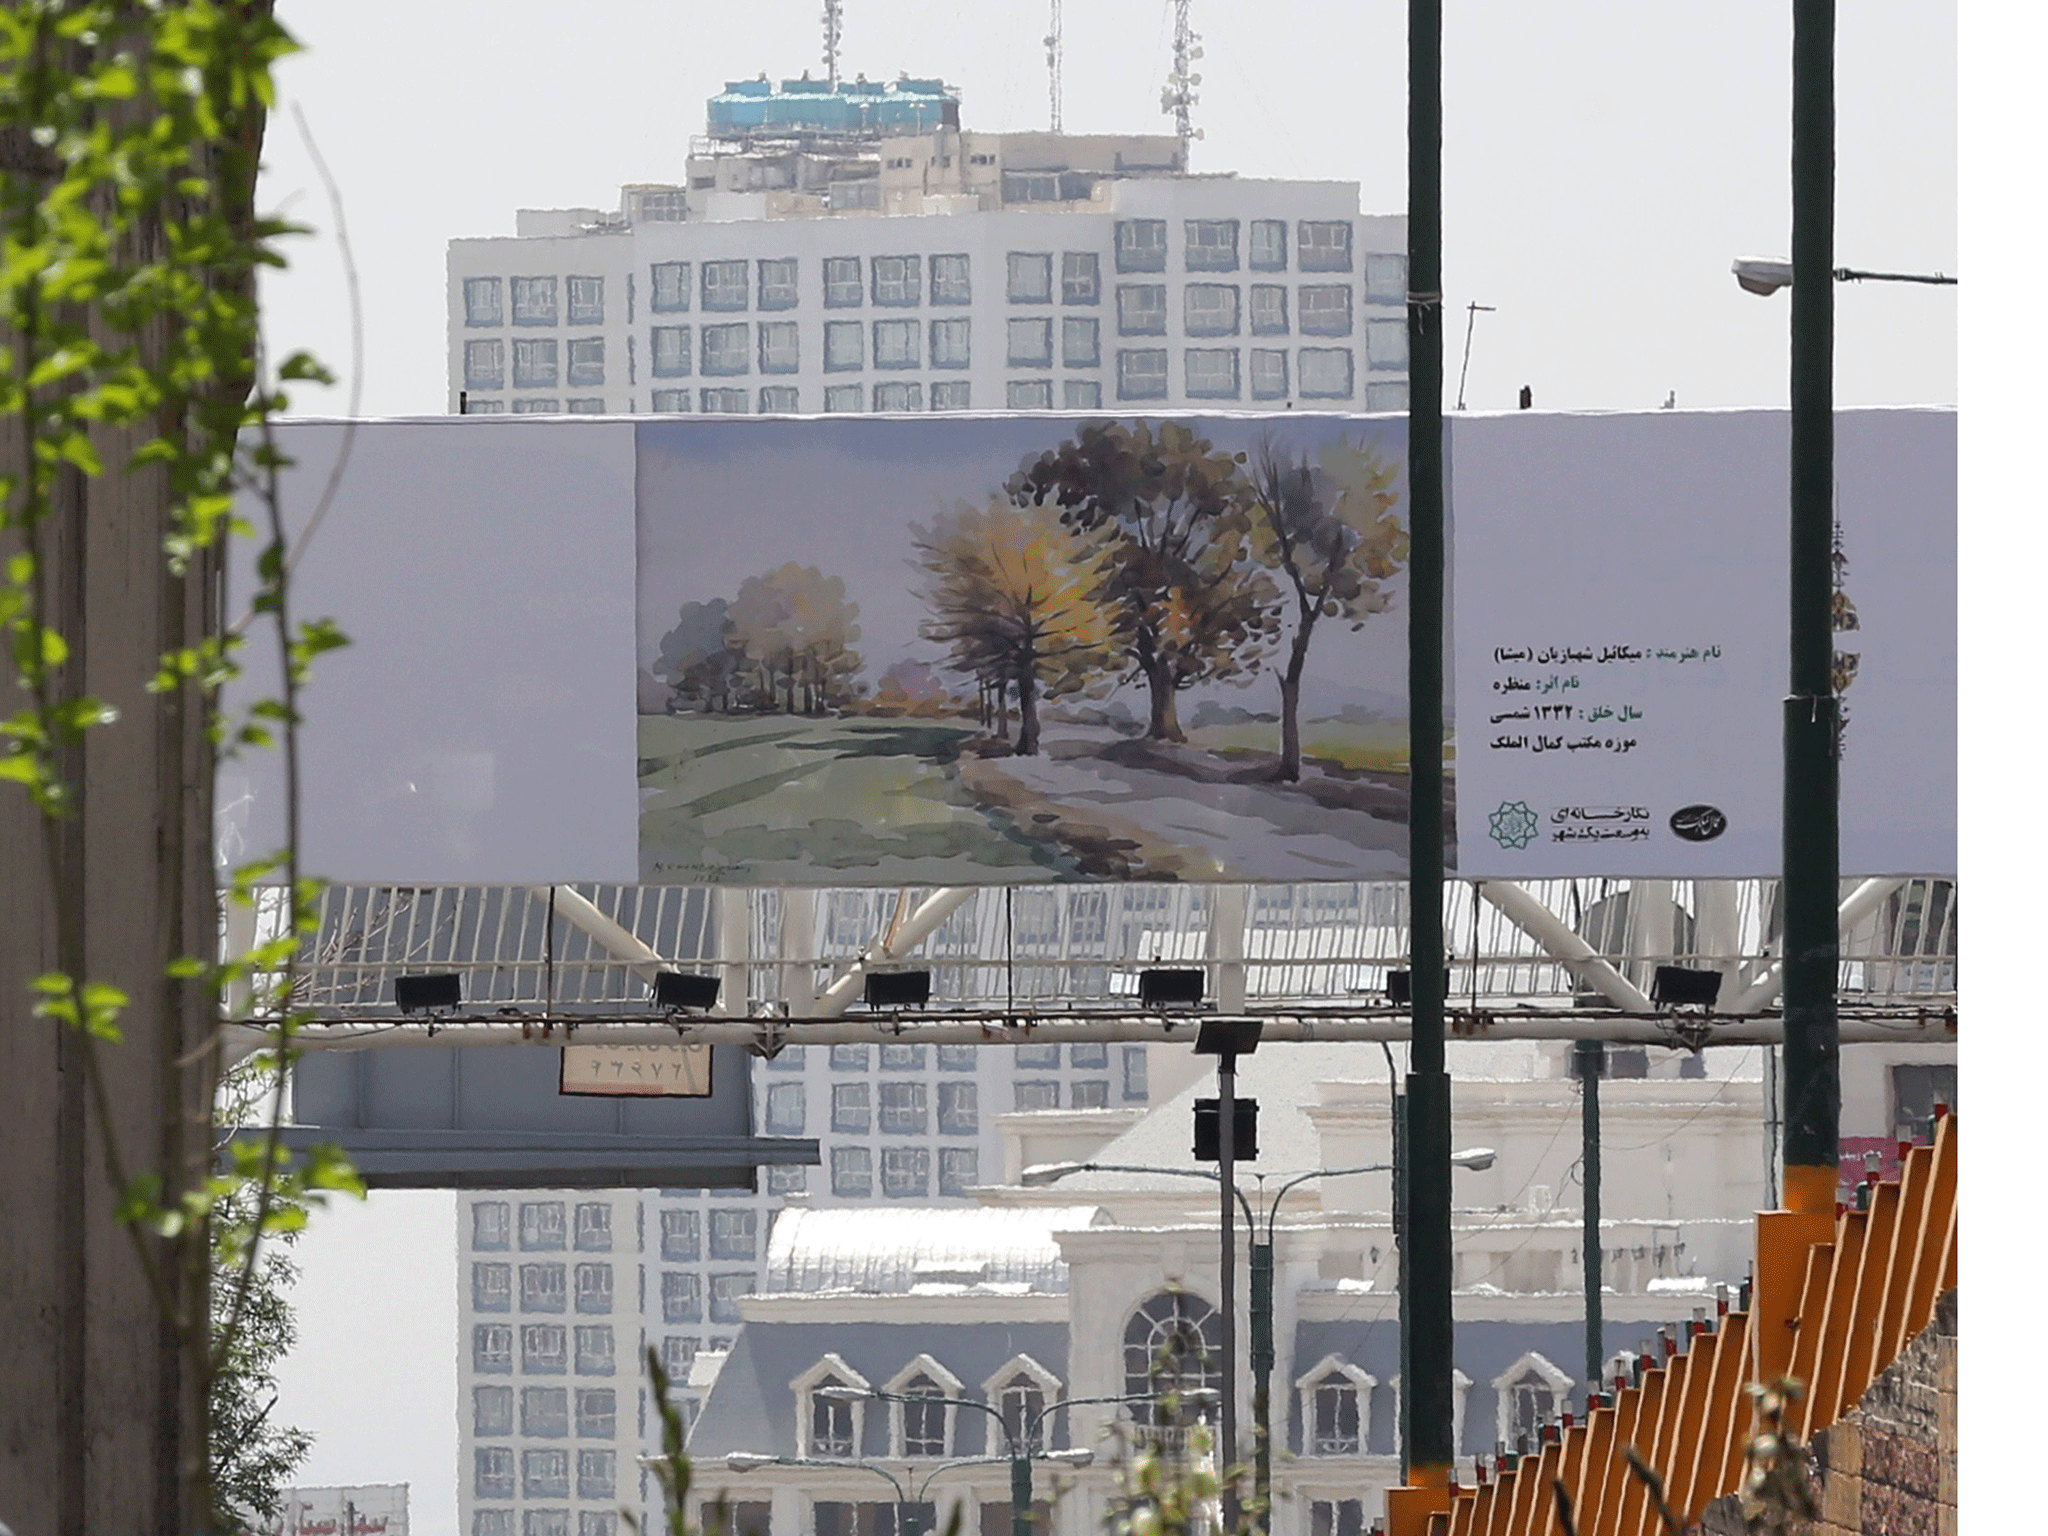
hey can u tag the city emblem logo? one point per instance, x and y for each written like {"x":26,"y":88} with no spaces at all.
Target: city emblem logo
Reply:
{"x":1514,"y":825}
{"x":1699,"y":823}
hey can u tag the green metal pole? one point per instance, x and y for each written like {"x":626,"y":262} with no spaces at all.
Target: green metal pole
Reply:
{"x":1426,"y":1393}
{"x":1262,"y":1377}
{"x":1591,"y":1061}
{"x":1020,"y":1490}
{"x":1401,"y":1268}
{"x":1812,"y":852}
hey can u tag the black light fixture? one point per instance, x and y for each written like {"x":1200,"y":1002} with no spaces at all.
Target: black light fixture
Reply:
{"x":1680,"y":986}
{"x":1177,"y":988}
{"x":680,"y":991}
{"x":897,"y":989}
{"x":1244,"y":1133}
{"x":1401,"y":987}
{"x":417,"y":994}
{"x":1228,"y":1037}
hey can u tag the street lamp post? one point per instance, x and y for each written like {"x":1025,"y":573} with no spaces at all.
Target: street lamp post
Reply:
{"x":1765,"y":276}
{"x":752,"y":1461}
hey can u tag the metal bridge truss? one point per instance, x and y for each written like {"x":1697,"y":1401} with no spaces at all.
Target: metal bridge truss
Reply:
{"x":1549,"y":959}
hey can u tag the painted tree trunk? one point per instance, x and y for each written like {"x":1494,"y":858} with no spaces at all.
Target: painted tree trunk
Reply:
{"x":1165,"y":722}
{"x":1290,"y":703}
{"x":1027,"y":712}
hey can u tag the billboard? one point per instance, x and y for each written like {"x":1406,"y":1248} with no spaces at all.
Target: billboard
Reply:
{"x":972,"y":650}
{"x":376,"y":1510}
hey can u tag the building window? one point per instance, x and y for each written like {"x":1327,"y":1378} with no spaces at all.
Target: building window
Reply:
{"x":670,"y":285}
{"x":843,"y":346}
{"x":543,"y":1287}
{"x":785,"y":1106}
{"x":732,"y":1234}
{"x":842,"y":399}
{"x":483,"y":301}
{"x":536,"y":406}
{"x":831,"y":1423}
{"x":1269,"y":373}
{"x":1386,"y":278}
{"x":544,"y":1474}
{"x":1269,"y":245}
{"x":897,"y":280}
{"x":1335,"y":1431}
{"x":1090,"y":1093}
{"x":594,"y":1288}
{"x":1386,"y":395}
{"x":1326,"y":310}
{"x":490,"y":1226}
{"x":849,"y":1058}
{"x":949,"y":280}
{"x":1081,"y":394}
{"x":1269,"y":309}
{"x":1173,"y":1343}
{"x":1030,"y":277}
{"x":1386,"y":343}
{"x":1031,"y":345}
{"x":956,"y":1058}
{"x":1336,"y":1517}
{"x":1090,"y":1056}
{"x":1211,"y":245}
{"x":1141,"y":245}
{"x":672,"y":352}
{"x":1080,"y":277}
{"x":1326,"y":373}
{"x":902,"y":1110}
{"x":778,"y":282}
{"x":544,"y":1522}
{"x":544,"y":1348}
{"x":485,"y":408}
{"x":533,"y":301}
{"x":959,"y":1109}
{"x":923,"y":1418}
{"x":678,"y":1354}
{"x":544,"y":1412}
{"x":594,"y":1355}
{"x":950,"y":343}
{"x":1040,"y":1057}
{"x":1210,"y":309}
{"x":842,"y":282}
{"x":1528,"y":1394}
{"x":899,"y":397}
{"x":682,"y":1297}
{"x":1916,"y":1088}
{"x":494,"y":1472}
{"x":789,"y":1059}
{"x":596,"y":1413}
{"x":1323,"y":245}
{"x":1136,"y":1089}
{"x":490,"y":1349}
{"x":950,"y":395}
{"x":959,"y":1169}
{"x":1081,"y":341}
{"x":896,"y":346}
{"x":852,"y":1171}
{"x":596,"y":1474}
{"x":1141,"y":309}
{"x":491,"y":1410}
{"x":778,"y":346}
{"x":536,"y":364}
{"x":586,"y":301}
{"x":902,"y":1058}
{"x":490,"y":1287}
{"x":1038,"y":1093}
{"x":724,"y":285}
{"x":850,"y":1108}
{"x":679,"y":1236}
{"x":586,"y":361}
{"x":726,"y":1291}
{"x":1022,"y":1405}
{"x":906,"y":1172}
{"x":722,"y":402}
{"x":1212,"y":373}
{"x":724,"y":349}
{"x":586,"y":405}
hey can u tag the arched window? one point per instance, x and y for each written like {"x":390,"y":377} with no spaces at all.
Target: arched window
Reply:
{"x":1022,"y":1405}
{"x":1530,"y":1393}
{"x":1172,"y":1344}
{"x":924,"y":1417}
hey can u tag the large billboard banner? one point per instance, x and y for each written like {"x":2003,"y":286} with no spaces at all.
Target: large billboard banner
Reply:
{"x":980,"y":650}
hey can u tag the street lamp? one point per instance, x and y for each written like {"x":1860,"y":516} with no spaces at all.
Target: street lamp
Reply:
{"x":753,"y":1461}
{"x":1262,"y":1350}
{"x":1762,"y":275}
{"x":1020,"y":1454}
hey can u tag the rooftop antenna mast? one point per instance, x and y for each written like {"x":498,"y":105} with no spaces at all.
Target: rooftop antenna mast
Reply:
{"x":1053,"y":45}
{"x":1179,"y":98}
{"x":832,"y":30}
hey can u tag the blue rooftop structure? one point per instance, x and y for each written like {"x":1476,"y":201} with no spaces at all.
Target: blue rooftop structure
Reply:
{"x":748,"y":109}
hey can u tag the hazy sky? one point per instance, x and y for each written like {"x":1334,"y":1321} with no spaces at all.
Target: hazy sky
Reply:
{"x":1603,"y":163}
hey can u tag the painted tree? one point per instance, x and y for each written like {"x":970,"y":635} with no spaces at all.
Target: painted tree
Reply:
{"x":1189,"y":601}
{"x":1328,"y":528}
{"x":1016,"y":594}
{"x":799,"y":627}
{"x":701,"y":658}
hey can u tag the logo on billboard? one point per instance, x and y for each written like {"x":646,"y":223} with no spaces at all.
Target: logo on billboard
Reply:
{"x":1514,"y":825}
{"x":1698,"y":823}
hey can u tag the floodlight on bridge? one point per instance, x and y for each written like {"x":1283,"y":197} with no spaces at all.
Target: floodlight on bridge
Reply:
{"x":1681,"y":986}
{"x":1171,"y":988}
{"x":1401,"y":987}
{"x":683,"y":992}
{"x":897,"y":989}
{"x":426,"y":994}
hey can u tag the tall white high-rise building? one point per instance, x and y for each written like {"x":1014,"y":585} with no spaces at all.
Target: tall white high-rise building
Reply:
{"x":850,"y":249}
